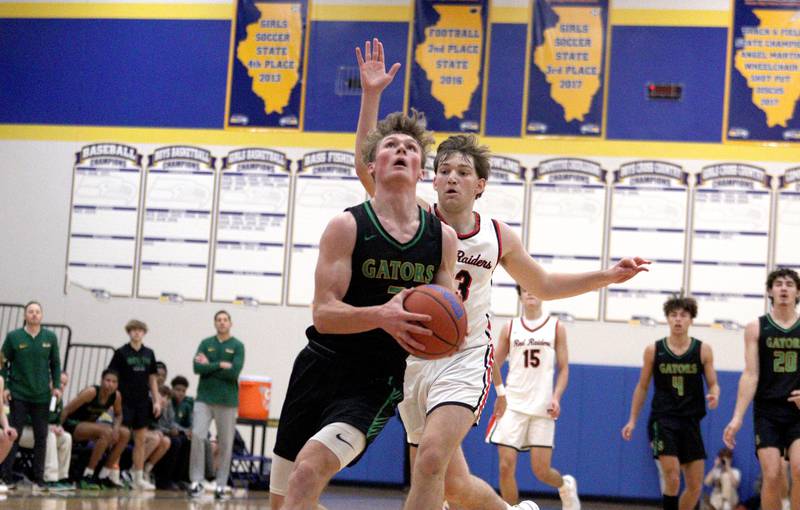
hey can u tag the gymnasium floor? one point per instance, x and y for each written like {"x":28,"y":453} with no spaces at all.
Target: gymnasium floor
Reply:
{"x":335,"y":498}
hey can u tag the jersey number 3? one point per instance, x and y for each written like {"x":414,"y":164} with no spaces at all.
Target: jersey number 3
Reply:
{"x":464,"y":280}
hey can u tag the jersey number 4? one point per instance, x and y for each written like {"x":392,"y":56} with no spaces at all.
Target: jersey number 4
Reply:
{"x":531,"y":358}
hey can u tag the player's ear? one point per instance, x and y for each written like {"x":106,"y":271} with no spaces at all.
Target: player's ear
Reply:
{"x":480,"y":187}
{"x":371,"y":168}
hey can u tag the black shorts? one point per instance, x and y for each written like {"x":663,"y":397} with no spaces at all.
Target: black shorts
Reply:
{"x":775,"y":431}
{"x":137,"y":414}
{"x":677,"y":437}
{"x":70,"y":425}
{"x":325,"y":389}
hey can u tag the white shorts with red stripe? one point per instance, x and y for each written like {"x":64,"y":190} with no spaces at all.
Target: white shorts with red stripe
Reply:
{"x":462,"y":379}
{"x":521,"y":431}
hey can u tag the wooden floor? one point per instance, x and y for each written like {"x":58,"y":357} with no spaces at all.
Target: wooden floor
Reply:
{"x":335,"y":498}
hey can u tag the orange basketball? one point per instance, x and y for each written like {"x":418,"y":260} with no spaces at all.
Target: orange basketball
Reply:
{"x":448,"y":322}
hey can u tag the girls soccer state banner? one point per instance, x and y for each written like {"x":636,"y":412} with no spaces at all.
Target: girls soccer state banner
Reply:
{"x":565,"y":95}
{"x":765,"y":71}
{"x":265,"y":81}
{"x":447,"y":63}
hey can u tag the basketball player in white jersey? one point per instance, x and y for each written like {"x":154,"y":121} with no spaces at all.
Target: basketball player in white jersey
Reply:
{"x":444,"y":398}
{"x":527,"y":406}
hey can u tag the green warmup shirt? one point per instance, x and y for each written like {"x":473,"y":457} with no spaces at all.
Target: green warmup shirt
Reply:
{"x":219,"y":386}
{"x":31,"y":363}
{"x":183,"y":412}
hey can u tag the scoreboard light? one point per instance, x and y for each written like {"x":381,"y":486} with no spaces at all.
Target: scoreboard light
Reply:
{"x":668,"y":91}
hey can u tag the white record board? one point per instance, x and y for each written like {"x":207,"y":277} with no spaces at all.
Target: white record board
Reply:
{"x":104,"y":219}
{"x":176,"y":226}
{"x":787,"y":223}
{"x":252,"y":225}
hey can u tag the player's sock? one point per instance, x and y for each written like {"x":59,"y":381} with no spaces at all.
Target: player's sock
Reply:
{"x":88,"y":473}
{"x":670,"y":502}
{"x":103,"y":473}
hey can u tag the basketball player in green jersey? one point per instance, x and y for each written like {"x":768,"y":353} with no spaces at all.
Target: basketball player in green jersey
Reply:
{"x":771,"y":380}
{"x":677,"y":365}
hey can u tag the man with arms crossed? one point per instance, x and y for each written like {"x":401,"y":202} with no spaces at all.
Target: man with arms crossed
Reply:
{"x":677,"y":364}
{"x":347,"y":381}
{"x":771,"y":380}
{"x":527,"y":407}
{"x":444,"y":398}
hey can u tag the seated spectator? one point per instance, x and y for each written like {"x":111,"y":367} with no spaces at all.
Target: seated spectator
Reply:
{"x":165,"y":474}
{"x":156,"y":442}
{"x":724,"y":482}
{"x":161,"y":373}
{"x":58,"y":454}
{"x":80,"y":419}
{"x":7,"y":433}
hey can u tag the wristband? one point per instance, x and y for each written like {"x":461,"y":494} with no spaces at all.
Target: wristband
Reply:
{"x":500,"y":390}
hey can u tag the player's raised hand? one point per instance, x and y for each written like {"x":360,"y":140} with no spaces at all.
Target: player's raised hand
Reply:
{"x":627,"y":431}
{"x":371,"y":65}
{"x":554,"y":409}
{"x":729,"y":434}
{"x":713,"y":400}
{"x":400,"y":323}
{"x":627,"y":268}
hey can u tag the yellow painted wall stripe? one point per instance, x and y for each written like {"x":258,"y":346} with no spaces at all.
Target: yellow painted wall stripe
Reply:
{"x":567,"y":147}
{"x":325,"y":12}
{"x":116,"y":11}
{"x":509,"y":15}
{"x":670,"y":18}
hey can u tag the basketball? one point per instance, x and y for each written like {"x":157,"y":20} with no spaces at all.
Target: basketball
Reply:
{"x":448,"y":322}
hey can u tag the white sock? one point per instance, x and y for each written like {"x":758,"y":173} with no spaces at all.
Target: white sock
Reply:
{"x":147,"y":468}
{"x":137,"y":476}
{"x":113,"y":475}
{"x":103,"y":473}
{"x":88,"y":473}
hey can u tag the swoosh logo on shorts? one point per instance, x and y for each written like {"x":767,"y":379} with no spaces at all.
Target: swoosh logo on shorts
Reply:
{"x":345,"y":441}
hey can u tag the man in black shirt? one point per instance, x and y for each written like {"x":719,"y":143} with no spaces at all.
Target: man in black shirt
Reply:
{"x":136,"y":366}
{"x":677,"y":364}
{"x":771,"y":380}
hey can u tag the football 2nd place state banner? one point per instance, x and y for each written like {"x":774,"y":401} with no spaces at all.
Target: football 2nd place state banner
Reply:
{"x":447,"y":63}
{"x":765,"y":71}
{"x":266,"y":64}
{"x":565,"y":94}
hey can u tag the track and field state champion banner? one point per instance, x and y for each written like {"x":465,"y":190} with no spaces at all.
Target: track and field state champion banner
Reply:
{"x":265,"y":82}
{"x":765,"y":72}
{"x":447,"y":63}
{"x":565,"y":96}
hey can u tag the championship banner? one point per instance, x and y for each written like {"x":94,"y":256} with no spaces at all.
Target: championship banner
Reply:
{"x":447,"y":67}
{"x":787,"y":220}
{"x":266,"y":67}
{"x":565,"y":95}
{"x":765,"y":71}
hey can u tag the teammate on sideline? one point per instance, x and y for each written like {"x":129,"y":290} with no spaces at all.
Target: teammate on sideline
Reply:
{"x":444,"y":398}
{"x":771,"y":380}
{"x":677,"y":364}
{"x":527,"y":407}
{"x":347,"y":381}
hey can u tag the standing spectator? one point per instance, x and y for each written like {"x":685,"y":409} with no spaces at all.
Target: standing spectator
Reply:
{"x":33,"y":371}
{"x":218,"y":361}
{"x":59,"y":446}
{"x":724,"y":481}
{"x":136,"y":366}
{"x":161,"y":373}
{"x":80,"y":418}
{"x":7,"y":433}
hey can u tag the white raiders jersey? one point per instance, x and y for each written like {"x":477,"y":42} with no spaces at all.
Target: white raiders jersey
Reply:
{"x":531,"y":365}
{"x":479,"y":253}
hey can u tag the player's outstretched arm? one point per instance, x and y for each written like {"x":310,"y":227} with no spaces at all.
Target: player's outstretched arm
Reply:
{"x":331,"y":280}
{"x":374,"y":79}
{"x":748,"y":382}
{"x":530,"y":275}
{"x":707,"y":358}
{"x":640,"y":392}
